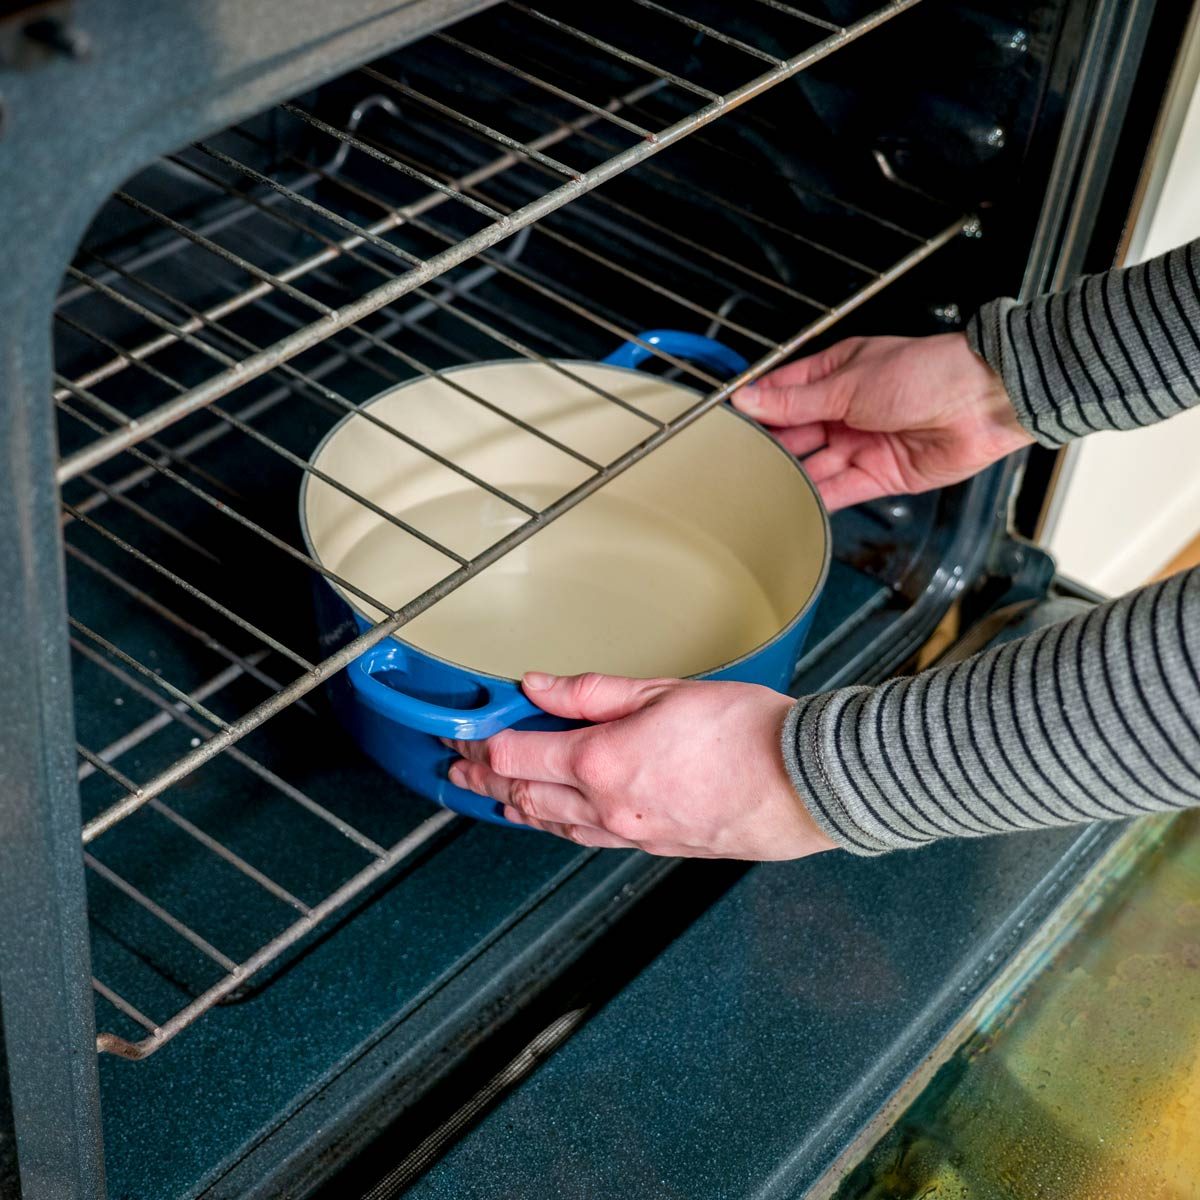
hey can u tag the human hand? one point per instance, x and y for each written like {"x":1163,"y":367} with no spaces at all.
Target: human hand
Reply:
{"x":675,"y":767}
{"x":887,"y":415}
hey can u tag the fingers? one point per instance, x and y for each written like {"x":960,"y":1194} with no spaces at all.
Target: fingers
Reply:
{"x":516,"y":754}
{"x":581,"y":835}
{"x":851,"y":486}
{"x":813,"y":366}
{"x":795,"y":404}
{"x":826,"y":463}
{"x":802,"y":439}
{"x":587,"y":835}
{"x":539,"y":801}
{"x":844,"y":448}
{"x":800,"y":393}
{"x":554,"y":757}
{"x":549,"y":807}
{"x":591,"y":697}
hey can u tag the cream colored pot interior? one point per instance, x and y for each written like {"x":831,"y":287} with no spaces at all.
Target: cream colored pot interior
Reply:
{"x":691,"y":558}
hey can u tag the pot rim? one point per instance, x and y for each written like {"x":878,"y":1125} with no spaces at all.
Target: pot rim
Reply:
{"x":804,"y":610}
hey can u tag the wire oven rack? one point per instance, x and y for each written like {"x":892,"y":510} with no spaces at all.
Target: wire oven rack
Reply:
{"x":323,"y":260}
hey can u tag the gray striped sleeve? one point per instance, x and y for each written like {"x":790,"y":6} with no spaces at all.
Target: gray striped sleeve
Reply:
{"x":1091,"y":719}
{"x":1114,"y":351}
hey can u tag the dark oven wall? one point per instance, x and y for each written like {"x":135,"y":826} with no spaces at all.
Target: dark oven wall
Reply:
{"x":291,"y":948}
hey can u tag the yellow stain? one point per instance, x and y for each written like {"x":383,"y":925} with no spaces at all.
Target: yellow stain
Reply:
{"x":1089,"y":1088}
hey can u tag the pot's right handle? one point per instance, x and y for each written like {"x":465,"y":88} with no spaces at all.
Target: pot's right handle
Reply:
{"x":695,"y":347}
{"x":468,"y":724}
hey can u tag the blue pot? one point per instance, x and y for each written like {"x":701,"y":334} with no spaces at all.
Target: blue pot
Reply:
{"x":397,"y":699}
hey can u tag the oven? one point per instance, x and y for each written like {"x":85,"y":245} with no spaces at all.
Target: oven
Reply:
{"x":237,"y":959}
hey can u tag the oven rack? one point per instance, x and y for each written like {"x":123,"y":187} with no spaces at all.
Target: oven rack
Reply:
{"x":159,"y":341}
{"x":418,"y":270}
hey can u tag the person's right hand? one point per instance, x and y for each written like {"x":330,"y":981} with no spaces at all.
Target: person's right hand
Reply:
{"x":886,"y":416}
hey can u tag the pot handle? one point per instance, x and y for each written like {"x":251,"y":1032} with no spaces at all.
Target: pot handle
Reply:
{"x":425,"y":716}
{"x":695,"y":347}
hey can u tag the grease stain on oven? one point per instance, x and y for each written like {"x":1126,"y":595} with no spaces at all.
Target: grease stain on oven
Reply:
{"x":1089,"y":1085}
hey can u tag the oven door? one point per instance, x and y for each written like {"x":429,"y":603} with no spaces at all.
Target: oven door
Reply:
{"x":761,"y":1047}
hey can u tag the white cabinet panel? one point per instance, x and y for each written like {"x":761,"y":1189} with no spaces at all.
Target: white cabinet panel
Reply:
{"x":1127,"y":503}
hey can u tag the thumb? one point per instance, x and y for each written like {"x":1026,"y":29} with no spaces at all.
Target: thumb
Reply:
{"x":590,"y":697}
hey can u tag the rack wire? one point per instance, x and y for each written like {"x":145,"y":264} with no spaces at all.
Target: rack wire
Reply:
{"x":328,"y":260}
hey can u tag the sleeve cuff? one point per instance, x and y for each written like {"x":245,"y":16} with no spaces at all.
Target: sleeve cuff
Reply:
{"x":986,"y":337}
{"x":804,"y":758}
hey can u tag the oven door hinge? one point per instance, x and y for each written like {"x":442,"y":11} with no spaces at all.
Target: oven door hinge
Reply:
{"x":33,"y":32}
{"x":1017,"y":571}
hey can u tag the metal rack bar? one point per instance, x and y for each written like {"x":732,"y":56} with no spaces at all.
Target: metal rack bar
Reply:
{"x":93,"y":829}
{"x":152,"y":725}
{"x":303,"y":339}
{"x":316,"y":674}
{"x":589,"y":312}
{"x":225,"y":510}
{"x":123,"y":1005}
{"x":616,"y":52}
{"x":428,"y":371}
{"x":709,"y":32}
{"x":194,"y":831}
{"x":235,"y":860}
{"x":699,"y":249}
{"x":115,"y":415}
{"x":306,"y":380}
{"x":598,"y":197}
{"x":242,"y":264}
{"x":287,"y":368}
{"x":728,"y":152}
{"x":723,"y":202}
{"x":484,"y":130}
{"x":243,"y":664}
{"x":393,"y":219}
{"x":161,"y":1034}
{"x":547,"y":86}
{"x":145,"y":672}
{"x":359,"y":143}
{"x":131,"y":426}
{"x":799,"y":14}
{"x":133,"y":506}
{"x":525,"y":350}
{"x":156,"y":910}
{"x":758,"y":219}
{"x":189,"y":588}
{"x":256,"y":408}
{"x":209,"y":226}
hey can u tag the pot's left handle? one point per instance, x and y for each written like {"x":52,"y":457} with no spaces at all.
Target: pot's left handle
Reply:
{"x":498,"y":711}
{"x":694,"y":347}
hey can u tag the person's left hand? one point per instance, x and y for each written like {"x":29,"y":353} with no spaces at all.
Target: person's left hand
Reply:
{"x":675,"y":767}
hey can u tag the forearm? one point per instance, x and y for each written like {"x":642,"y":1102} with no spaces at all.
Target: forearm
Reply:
{"x":1114,"y":351}
{"x":1093,"y":719}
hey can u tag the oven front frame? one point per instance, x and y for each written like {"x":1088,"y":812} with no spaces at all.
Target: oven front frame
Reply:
{"x":73,"y":131}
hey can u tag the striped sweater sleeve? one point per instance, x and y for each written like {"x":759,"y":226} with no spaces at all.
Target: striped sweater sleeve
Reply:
{"x":1095,"y":718}
{"x":1091,"y":719}
{"x":1114,"y":351}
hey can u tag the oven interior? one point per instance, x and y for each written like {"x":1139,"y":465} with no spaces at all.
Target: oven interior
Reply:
{"x":273,"y":908}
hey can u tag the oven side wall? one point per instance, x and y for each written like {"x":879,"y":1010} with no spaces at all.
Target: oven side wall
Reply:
{"x":71,"y":130}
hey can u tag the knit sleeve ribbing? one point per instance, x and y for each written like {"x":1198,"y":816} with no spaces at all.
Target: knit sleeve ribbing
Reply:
{"x":1113,"y":351}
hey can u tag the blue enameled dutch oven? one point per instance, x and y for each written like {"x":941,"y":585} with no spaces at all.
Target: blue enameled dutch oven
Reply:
{"x":703,"y":560}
